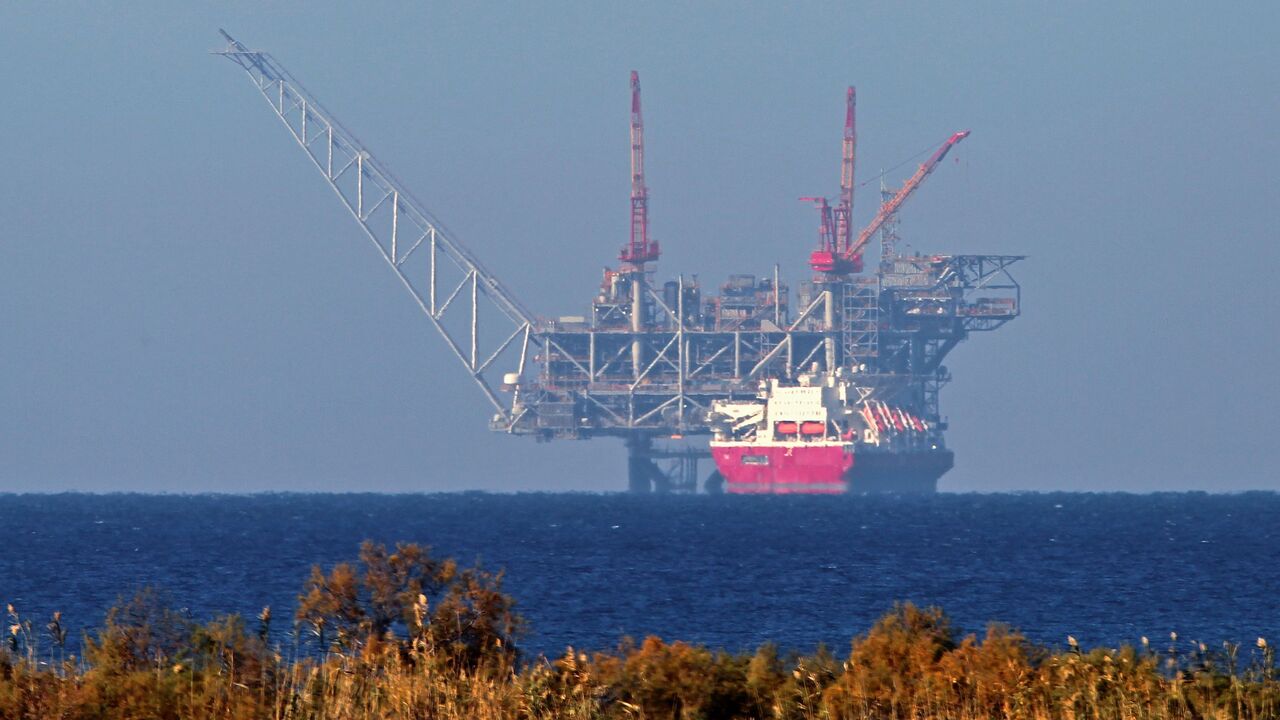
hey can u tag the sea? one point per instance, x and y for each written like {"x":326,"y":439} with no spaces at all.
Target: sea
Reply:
{"x":728,"y":572}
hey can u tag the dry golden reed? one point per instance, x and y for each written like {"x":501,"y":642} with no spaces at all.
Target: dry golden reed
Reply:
{"x":400,"y":634}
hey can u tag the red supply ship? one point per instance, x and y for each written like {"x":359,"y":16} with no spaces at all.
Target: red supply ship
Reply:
{"x":817,"y":438}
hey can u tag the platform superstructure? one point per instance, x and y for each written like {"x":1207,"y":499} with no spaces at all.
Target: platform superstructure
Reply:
{"x":651,"y":359}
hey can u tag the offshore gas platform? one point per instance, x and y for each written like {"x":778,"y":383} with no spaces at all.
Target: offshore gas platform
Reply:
{"x":837,"y":392}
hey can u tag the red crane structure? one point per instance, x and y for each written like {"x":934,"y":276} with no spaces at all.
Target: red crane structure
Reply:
{"x":838,"y":252}
{"x":640,"y":249}
{"x":889,"y":208}
{"x":848,"y":156}
{"x":832,"y":249}
{"x":827,"y":231}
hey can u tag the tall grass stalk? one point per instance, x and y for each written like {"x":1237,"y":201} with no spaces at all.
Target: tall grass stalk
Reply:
{"x":407,"y":636}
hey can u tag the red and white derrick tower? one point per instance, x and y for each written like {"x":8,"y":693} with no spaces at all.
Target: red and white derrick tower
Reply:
{"x":848,"y":157}
{"x":839,"y":253}
{"x":830,"y":257}
{"x":640,"y":249}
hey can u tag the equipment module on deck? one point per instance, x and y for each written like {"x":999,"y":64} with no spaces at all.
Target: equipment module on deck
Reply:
{"x":664,"y":361}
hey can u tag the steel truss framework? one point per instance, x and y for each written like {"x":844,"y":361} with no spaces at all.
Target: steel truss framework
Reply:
{"x":930,"y":305}
{"x":444,"y":278}
{"x":588,"y":385}
{"x":894,"y":338}
{"x":891,"y":330}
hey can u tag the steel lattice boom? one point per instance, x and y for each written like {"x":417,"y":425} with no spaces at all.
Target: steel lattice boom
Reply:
{"x":412,"y":242}
{"x":895,"y":203}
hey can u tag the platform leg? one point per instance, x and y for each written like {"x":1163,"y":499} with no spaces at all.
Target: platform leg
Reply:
{"x":643,"y":475}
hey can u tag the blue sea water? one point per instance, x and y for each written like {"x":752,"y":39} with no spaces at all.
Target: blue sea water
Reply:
{"x":729,"y":572}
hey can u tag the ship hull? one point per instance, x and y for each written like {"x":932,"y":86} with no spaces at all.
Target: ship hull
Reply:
{"x":908,"y":472}
{"x":784,"y":468}
{"x":826,"y":468}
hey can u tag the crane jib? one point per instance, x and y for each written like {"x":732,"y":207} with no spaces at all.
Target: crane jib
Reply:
{"x":889,"y":208}
{"x":433,"y":267}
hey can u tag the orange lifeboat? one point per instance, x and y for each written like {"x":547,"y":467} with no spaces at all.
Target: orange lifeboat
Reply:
{"x":813,"y":427}
{"x":785,"y":427}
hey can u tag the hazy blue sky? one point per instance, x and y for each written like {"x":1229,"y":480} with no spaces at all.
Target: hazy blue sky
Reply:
{"x":184,"y":306}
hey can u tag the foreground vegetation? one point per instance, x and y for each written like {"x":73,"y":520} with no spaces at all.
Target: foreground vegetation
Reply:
{"x":401,"y":634}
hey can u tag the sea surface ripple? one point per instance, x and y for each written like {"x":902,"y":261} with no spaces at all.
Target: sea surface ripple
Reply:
{"x":729,"y":572}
